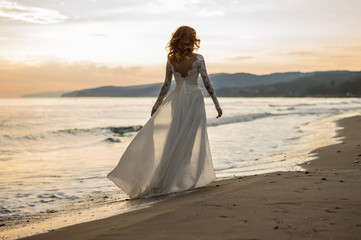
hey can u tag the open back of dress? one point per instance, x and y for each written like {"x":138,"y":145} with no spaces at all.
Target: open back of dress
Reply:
{"x":183,"y":67}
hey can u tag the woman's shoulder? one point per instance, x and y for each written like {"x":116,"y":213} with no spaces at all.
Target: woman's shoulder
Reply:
{"x":199,"y":56}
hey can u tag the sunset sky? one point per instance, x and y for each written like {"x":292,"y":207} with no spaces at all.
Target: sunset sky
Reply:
{"x":52,"y":45}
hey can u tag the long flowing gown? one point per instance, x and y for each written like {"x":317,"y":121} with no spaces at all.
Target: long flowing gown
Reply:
{"x":171,"y":152}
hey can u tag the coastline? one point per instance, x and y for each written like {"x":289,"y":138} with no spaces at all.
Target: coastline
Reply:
{"x":321,"y":202}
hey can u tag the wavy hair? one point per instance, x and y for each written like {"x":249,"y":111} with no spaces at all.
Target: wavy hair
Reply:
{"x":183,"y":42}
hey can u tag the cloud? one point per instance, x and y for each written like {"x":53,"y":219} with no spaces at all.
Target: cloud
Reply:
{"x":210,"y":13}
{"x":18,"y":12}
{"x":239,"y":58}
{"x":299,"y":53}
{"x":98,"y":35}
{"x":322,"y":51}
{"x":349,"y":48}
{"x":18,"y":79}
{"x":247,"y":37}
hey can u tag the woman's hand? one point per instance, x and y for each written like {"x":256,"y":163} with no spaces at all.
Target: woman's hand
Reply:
{"x":219,"y":110}
{"x":153,"y":111}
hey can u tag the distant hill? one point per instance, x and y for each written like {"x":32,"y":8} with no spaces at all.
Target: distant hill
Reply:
{"x":289,"y":84}
{"x":320,"y":84}
{"x":225,"y":80}
{"x":220,"y":80}
{"x":150,"y":90}
{"x":44,"y":94}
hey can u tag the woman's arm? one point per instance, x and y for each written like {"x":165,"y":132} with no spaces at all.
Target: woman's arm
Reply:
{"x":208,"y":85}
{"x":165,"y":88}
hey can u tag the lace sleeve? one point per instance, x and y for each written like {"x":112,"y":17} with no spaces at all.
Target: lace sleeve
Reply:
{"x":165,"y":87}
{"x":207,"y":82}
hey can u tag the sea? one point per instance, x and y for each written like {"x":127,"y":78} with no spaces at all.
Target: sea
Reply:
{"x":55,"y":153}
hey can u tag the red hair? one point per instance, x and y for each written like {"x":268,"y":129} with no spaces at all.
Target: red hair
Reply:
{"x":183,"y":42}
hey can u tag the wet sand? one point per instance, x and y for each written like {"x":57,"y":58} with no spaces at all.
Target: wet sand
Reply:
{"x":322,"y":202}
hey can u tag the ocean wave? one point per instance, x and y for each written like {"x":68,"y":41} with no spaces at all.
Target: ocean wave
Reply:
{"x":118,"y":131}
{"x":112,"y":140}
{"x":292,"y":105}
{"x":239,"y":118}
{"x":124,"y":130}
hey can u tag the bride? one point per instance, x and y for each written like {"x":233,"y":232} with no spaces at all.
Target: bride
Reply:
{"x":171,"y":152}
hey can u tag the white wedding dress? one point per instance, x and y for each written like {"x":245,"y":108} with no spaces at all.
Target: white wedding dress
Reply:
{"x":171,"y":152}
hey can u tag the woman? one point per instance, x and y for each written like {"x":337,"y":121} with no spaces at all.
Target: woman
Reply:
{"x":171,"y":152}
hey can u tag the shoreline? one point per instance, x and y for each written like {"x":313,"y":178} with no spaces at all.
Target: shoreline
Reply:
{"x":321,"y":202}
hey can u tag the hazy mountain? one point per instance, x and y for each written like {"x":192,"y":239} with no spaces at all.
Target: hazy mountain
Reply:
{"x":44,"y":94}
{"x":220,"y":80}
{"x":224,"y":80}
{"x":230,"y":85}
{"x":150,"y":90}
{"x":320,"y":84}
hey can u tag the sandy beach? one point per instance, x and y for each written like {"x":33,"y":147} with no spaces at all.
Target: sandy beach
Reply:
{"x":322,"y":202}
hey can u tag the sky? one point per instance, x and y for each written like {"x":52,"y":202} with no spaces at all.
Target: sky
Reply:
{"x":53,"y":45}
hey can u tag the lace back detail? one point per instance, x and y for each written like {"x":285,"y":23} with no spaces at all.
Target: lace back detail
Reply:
{"x":187,"y":70}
